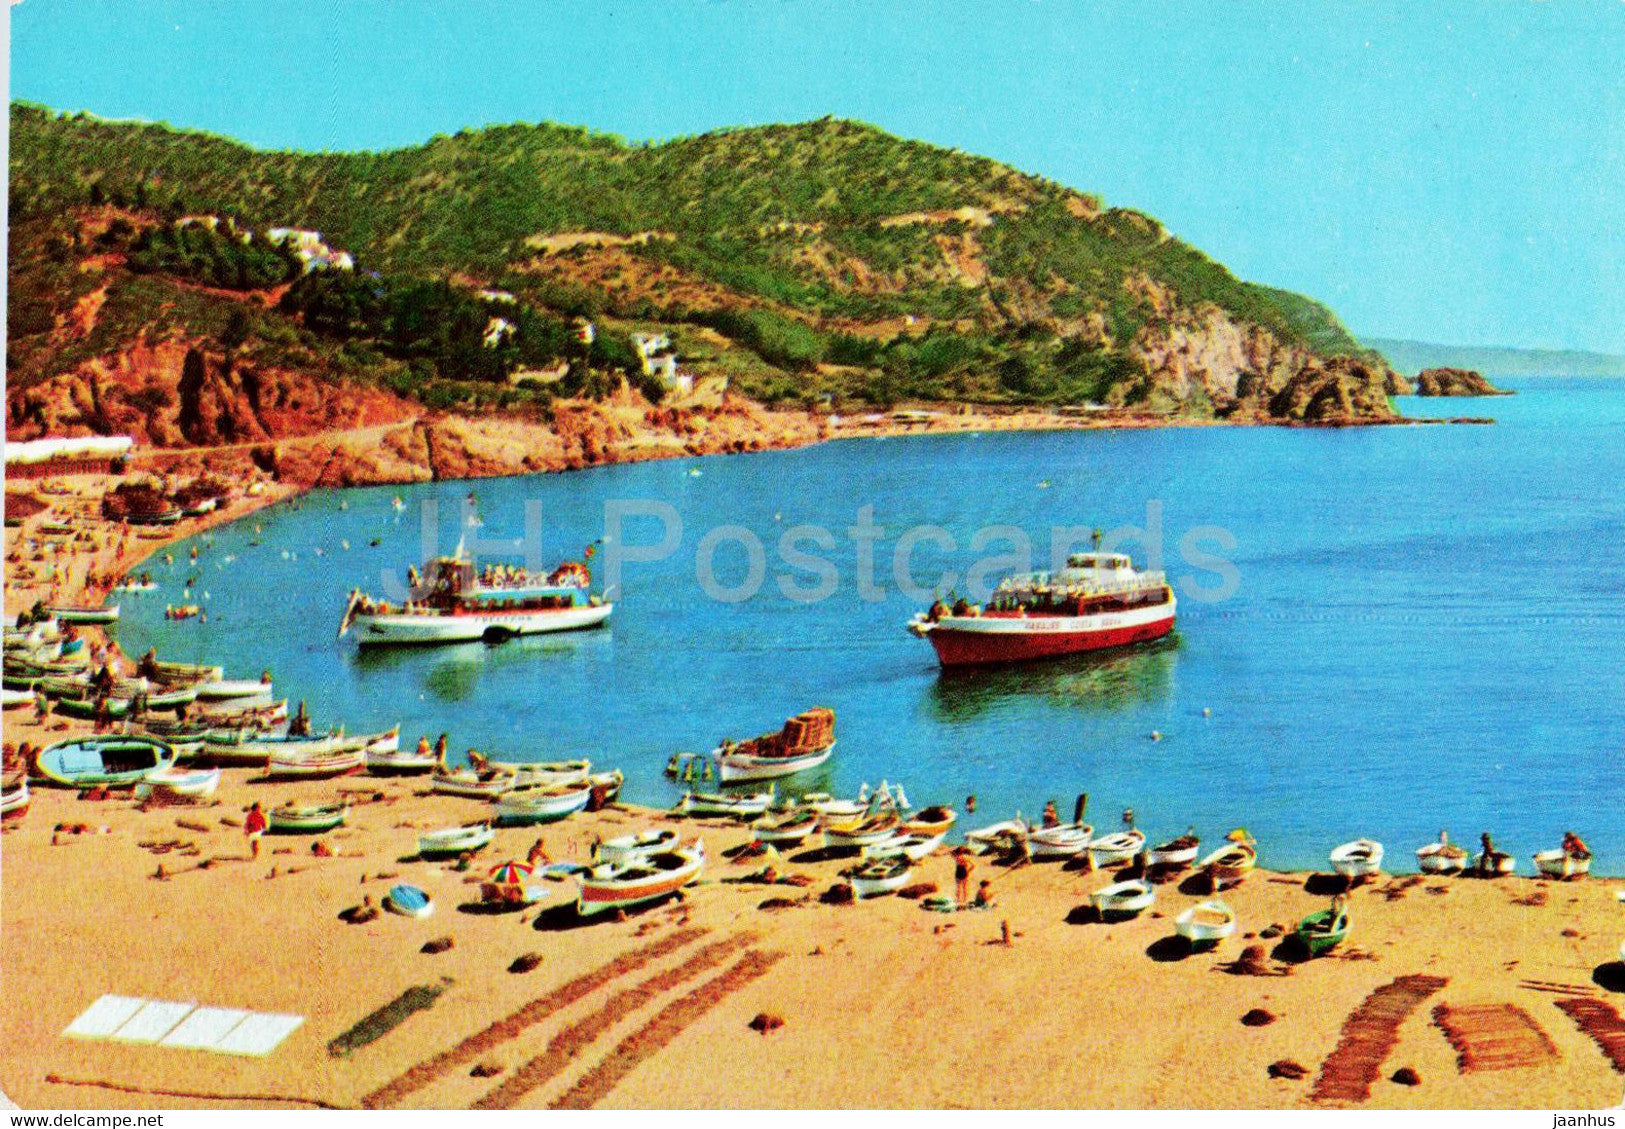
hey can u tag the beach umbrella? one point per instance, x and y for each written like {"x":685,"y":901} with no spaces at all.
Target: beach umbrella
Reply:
{"x":511,"y":873}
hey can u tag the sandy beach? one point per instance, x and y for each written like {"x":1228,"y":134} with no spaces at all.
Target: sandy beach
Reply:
{"x":1462,"y":981}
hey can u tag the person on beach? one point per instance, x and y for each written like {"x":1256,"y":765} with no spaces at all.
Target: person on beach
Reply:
{"x":984,"y":894}
{"x":148,"y":667}
{"x":1052,"y":816}
{"x":1574,"y":846}
{"x":440,"y":749}
{"x":299,"y":726}
{"x":537,"y":856}
{"x":254,"y":825}
{"x":963,"y":865}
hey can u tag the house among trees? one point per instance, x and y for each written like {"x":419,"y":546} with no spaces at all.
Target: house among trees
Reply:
{"x":659,"y":361}
{"x":310,"y":250}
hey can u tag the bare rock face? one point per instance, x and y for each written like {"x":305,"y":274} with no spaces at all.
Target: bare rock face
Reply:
{"x":1455,"y":382}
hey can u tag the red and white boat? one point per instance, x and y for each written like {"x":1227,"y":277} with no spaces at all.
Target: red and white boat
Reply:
{"x":1098,"y":600}
{"x":314,"y":766}
{"x":615,"y":885}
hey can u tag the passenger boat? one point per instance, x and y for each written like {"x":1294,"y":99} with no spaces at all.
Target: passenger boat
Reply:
{"x":1098,"y":600}
{"x":879,"y":876}
{"x":611,"y":886}
{"x":1206,"y":923}
{"x":984,"y":839}
{"x":113,"y":761}
{"x":1323,"y":931}
{"x":1175,"y":854}
{"x":861,"y":832}
{"x":1124,"y":899}
{"x":454,"y":841}
{"x":934,"y":820}
{"x":787,"y":828}
{"x":806,"y":741}
{"x":314,"y":766}
{"x":14,"y":798}
{"x":1442,"y":857}
{"x":193,"y":783}
{"x":306,"y":819}
{"x":1560,"y":863}
{"x":636,"y":846}
{"x":1357,"y":859}
{"x":1232,"y":863}
{"x":1116,"y":848}
{"x":746,"y":806}
{"x":451,"y":605}
{"x":912,"y":847}
{"x":1062,"y":840}
{"x":408,"y":901}
{"x":68,"y":613}
{"x":540,"y":803}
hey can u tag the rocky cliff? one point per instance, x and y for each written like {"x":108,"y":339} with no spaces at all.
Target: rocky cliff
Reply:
{"x":1455,"y":382}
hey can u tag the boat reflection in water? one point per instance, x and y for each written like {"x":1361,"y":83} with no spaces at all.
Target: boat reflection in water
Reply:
{"x":1101,"y":682}
{"x":453,"y":672}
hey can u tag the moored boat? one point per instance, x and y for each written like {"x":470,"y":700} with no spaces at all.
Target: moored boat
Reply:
{"x":306,"y":819}
{"x":805,"y":741}
{"x":226,"y":689}
{"x":611,"y":886}
{"x":453,"y":841}
{"x":1206,"y":923}
{"x":111,"y":761}
{"x":540,"y":803}
{"x":1099,"y":600}
{"x":879,"y":876}
{"x":1124,"y":899}
{"x":68,"y":613}
{"x":1358,"y":858}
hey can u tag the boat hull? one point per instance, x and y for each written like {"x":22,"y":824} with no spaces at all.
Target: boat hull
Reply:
{"x":600,"y":894}
{"x":739,"y":768}
{"x":470,"y":627}
{"x":446,"y":844}
{"x":516,"y":811}
{"x":984,"y":640}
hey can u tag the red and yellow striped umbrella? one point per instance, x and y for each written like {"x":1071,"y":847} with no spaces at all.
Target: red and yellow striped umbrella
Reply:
{"x":511,"y":873}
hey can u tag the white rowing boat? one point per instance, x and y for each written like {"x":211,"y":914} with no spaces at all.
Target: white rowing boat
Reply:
{"x":1441,"y":857}
{"x":540,"y":803}
{"x":452,"y":841}
{"x":636,"y":846}
{"x":1358,"y":858}
{"x":984,"y":839}
{"x":861,"y":832}
{"x":912,"y":847}
{"x":1175,"y":854}
{"x":786,"y":829}
{"x":1124,"y":899}
{"x":193,"y":783}
{"x":1116,"y":848}
{"x":747,"y":806}
{"x":879,"y":876}
{"x":1560,"y":863}
{"x":1063,"y":840}
{"x":1206,"y":923}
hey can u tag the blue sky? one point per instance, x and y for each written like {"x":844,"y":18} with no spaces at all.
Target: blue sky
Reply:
{"x":1449,"y":172}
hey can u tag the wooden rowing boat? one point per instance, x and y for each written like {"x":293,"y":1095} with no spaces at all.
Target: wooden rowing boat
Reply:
{"x":1441,"y":857}
{"x":984,"y":839}
{"x":611,"y":886}
{"x":861,"y":832}
{"x":934,"y":820}
{"x":1206,"y":923}
{"x":879,"y":876}
{"x":540,"y":803}
{"x":306,"y":819}
{"x":1123,"y":900}
{"x":1062,"y":840}
{"x":1116,"y":848}
{"x":1559,"y":863}
{"x":912,"y":847}
{"x":452,"y":841}
{"x":747,"y":806}
{"x":1175,"y":854}
{"x":193,"y":783}
{"x":786,"y":828}
{"x":14,"y":798}
{"x":1323,"y":931}
{"x":112,"y":761}
{"x":1230,"y":864}
{"x":1358,"y":858}
{"x":314,"y":766}
{"x":636,"y":846}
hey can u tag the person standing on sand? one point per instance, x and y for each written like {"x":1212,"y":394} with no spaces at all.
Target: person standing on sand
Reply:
{"x":962,"y":872}
{"x":1052,"y":816}
{"x":254,"y":825}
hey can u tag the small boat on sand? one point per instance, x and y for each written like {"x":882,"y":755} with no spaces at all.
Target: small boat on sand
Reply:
{"x":1323,"y":931}
{"x":1175,"y":854}
{"x":113,"y":761}
{"x":610,"y":886}
{"x":247,"y":748}
{"x":69,"y":613}
{"x":636,"y":846}
{"x":828,"y":807}
{"x":786,"y":829}
{"x":398,"y":762}
{"x":474,"y":784}
{"x":193,"y":783}
{"x":453,"y":841}
{"x":606,"y":788}
{"x":1116,"y":848}
{"x":223,"y":689}
{"x":314,"y":766}
{"x":1358,"y":858}
{"x":408,"y":901}
{"x":1441,"y":857}
{"x":1230,"y":864}
{"x":934,"y":820}
{"x":879,"y":876}
{"x":306,"y":819}
{"x":12,"y":699}
{"x":1206,"y":923}
{"x":1563,"y":863}
{"x":14,"y":798}
{"x":1124,"y":899}
{"x":1492,"y":863}
{"x":985,"y":839}
{"x":536,"y":772}
{"x":861,"y":832}
{"x":1062,"y":840}
{"x":743,"y":806}
{"x":912,"y":847}
{"x":540,"y":803}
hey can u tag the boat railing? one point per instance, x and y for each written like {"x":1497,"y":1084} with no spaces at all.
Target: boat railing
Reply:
{"x":1041,"y":582}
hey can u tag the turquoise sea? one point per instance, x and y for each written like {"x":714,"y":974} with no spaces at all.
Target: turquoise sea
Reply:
{"x":1428,"y":629}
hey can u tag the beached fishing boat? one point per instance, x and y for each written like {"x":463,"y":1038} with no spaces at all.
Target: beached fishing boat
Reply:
{"x":829,"y":808}
{"x":934,"y":820}
{"x":606,"y":788}
{"x":1098,"y":600}
{"x":1124,"y":899}
{"x":245,"y":748}
{"x":912,"y":847}
{"x":396,"y":762}
{"x":192,"y":783}
{"x":742,"y":806}
{"x":12,"y":699}
{"x":291,"y":765}
{"x":1230,"y":864}
{"x":451,"y":605}
{"x":1359,"y":858}
{"x":1206,"y":923}
{"x":1061,"y":840}
{"x":242,"y":714}
{"x":636,"y":846}
{"x":474,"y":784}
{"x":408,"y":901}
{"x":861,"y":832}
{"x":786,"y":828}
{"x":14,"y":798}
{"x":89,"y":708}
{"x":1442,"y":857}
{"x":114,"y":761}
{"x":1175,"y":854}
{"x":879,"y":876}
{"x":68,"y":613}
{"x":1560,"y":863}
{"x":1323,"y":931}
{"x":306,"y":819}
{"x":1116,"y":848}
{"x":188,"y":673}
{"x":452,"y":841}
{"x":536,"y":772}
{"x":984,"y":839}
{"x":611,"y":886}
{"x":226,"y":689}
{"x":805,"y":741}
{"x":1492,"y":863}
{"x":540,"y":803}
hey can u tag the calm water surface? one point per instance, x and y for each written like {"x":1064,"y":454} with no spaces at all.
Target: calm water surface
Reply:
{"x":1428,"y":629}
